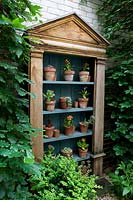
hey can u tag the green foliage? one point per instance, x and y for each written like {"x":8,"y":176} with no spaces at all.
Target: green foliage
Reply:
{"x":16,"y":158}
{"x":84,"y":93}
{"x":67,"y":66}
{"x":49,"y":95}
{"x":123,"y":180}
{"x":82,"y":144}
{"x":60,"y":179}
{"x":116,"y":16}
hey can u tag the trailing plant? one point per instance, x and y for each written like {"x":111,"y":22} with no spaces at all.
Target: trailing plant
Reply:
{"x":61,"y":178}
{"x":86,"y":122}
{"x":16,"y":158}
{"x":123,"y":180}
{"x":116,"y":17}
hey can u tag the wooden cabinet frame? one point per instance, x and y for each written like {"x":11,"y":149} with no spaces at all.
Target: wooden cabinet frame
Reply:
{"x":68,"y":35}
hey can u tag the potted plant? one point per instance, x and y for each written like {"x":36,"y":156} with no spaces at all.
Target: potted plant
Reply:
{"x":65,"y":102}
{"x":50,"y":73}
{"x":69,"y":128}
{"x":56,"y":133}
{"x":84,"y":74}
{"x":48,"y":129}
{"x":49,"y":100}
{"x":83,"y":100}
{"x":82,"y":147}
{"x":67,"y":152}
{"x":68,"y":72}
{"x":85,"y":124}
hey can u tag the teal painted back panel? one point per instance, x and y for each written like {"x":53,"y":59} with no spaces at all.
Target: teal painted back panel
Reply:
{"x":57,"y":60}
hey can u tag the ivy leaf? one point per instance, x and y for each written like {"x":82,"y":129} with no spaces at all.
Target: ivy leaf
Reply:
{"x":19,"y":52}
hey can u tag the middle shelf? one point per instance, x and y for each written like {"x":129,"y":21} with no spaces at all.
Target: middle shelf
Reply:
{"x":76,"y":134}
{"x":57,"y":110}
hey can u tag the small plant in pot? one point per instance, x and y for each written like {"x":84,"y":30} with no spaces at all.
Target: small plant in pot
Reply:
{"x":67,"y":152}
{"x":69,"y":128}
{"x":48,"y":129}
{"x":65,"y":102}
{"x":83,"y":100}
{"x":49,"y":100}
{"x":50,"y":73}
{"x":84,"y":73}
{"x":82,"y":147}
{"x":85,"y":124}
{"x":68,"y":72}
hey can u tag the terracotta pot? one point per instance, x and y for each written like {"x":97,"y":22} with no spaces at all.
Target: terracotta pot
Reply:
{"x":83,"y":153}
{"x":49,"y":131}
{"x":68,"y":75}
{"x":63,"y":103}
{"x":76,"y":104}
{"x":50,"y":105}
{"x":56,"y":133}
{"x":50,"y":73}
{"x":69,"y":130}
{"x":66,"y":154}
{"x":83,"y":76}
{"x":83,"y":128}
{"x":83,"y":102}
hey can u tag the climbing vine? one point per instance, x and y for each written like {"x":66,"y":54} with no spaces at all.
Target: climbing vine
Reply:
{"x":16,"y":159}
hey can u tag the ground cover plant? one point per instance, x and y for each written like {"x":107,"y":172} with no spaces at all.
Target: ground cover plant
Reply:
{"x":16,"y":159}
{"x":61,"y":178}
{"x":116,"y":17}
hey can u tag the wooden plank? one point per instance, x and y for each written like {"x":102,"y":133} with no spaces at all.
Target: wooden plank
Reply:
{"x":36,"y":105}
{"x":97,"y":147}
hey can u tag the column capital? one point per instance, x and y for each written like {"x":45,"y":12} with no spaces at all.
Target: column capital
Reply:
{"x":37,"y":52}
{"x":101,"y":61}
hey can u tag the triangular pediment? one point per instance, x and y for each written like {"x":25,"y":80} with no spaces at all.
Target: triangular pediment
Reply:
{"x":70,"y":28}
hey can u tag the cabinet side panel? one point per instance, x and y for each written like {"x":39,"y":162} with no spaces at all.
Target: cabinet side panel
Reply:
{"x":36,"y":104}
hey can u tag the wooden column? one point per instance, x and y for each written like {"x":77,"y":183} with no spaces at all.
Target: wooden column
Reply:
{"x":36,"y":104}
{"x":97,"y":146}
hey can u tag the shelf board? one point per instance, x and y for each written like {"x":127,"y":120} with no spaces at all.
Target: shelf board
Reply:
{"x":77,"y":158}
{"x":76,"y":134}
{"x":68,"y":82}
{"x":67,"y":110}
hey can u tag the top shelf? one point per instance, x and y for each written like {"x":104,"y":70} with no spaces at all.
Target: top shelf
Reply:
{"x":68,"y":82}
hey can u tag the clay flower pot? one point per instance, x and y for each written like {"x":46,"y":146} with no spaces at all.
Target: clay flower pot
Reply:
{"x":83,"y":128}
{"x":49,"y":131}
{"x":65,"y":102}
{"x":50,"y":73}
{"x":50,"y":105}
{"x":69,"y":130}
{"x":83,"y":102}
{"x":56,"y":133}
{"x":67,"y":152}
{"x":84,"y":76}
{"x":83,"y":153}
{"x":68,"y":75}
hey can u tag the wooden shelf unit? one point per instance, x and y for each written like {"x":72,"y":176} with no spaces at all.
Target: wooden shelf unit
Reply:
{"x":71,"y":37}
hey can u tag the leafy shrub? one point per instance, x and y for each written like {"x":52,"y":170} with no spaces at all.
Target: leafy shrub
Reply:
{"x":60,"y":179}
{"x":123,"y":180}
